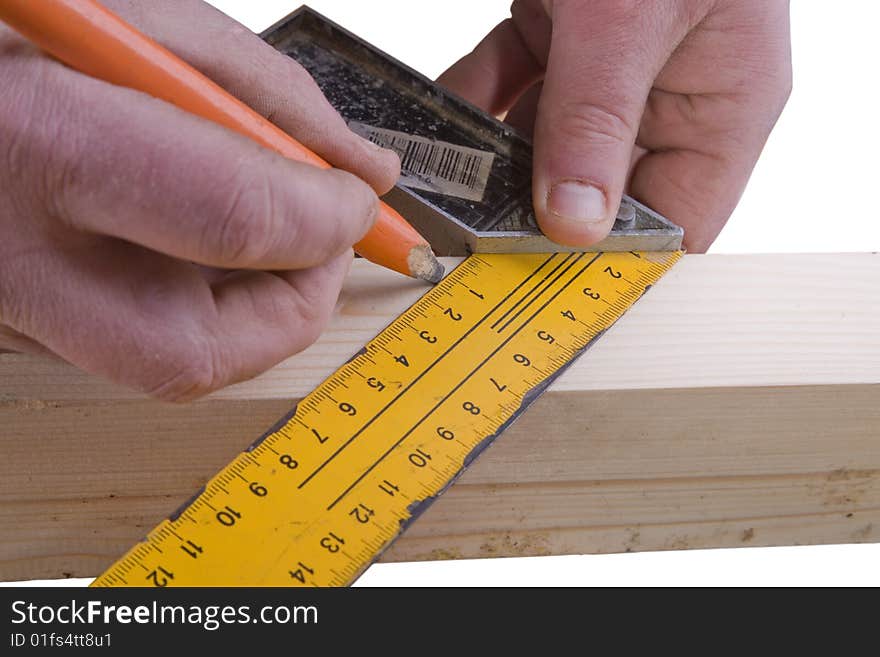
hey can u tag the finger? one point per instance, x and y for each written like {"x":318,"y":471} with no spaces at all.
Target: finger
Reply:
{"x":11,"y":340}
{"x":703,"y":146}
{"x":496,"y":72}
{"x":111,"y":161}
{"x":272,"y":83}
{"x":533,"y":23}
{"x":152,"y":323}
{"x":522,"y":115}
{"x":697,"y":190}
{"x":688,"y":170}
{"x":600,"y":69}
{"x":258,"y":320}
{"x":698,"y":153}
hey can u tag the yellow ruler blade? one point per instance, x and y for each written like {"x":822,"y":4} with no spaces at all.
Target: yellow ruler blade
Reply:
{"x":318,"y":498}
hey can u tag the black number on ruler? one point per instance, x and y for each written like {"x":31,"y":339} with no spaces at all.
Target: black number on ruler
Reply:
{"x":256,"y":489}
{"x":589,"y":292}
{"x":546,"y":337}
{"x":159,"y":577}
{"x":347,"y":408}
{"x":476,"y":294}
{"x":387,"y":487}
{"x":419,"y":458}
{"x":456,"y":317}
{"x":192,"y":549}
{"x":522,"y":360}
{"x":498,"y":386}
{"x":288,"y":461}
{"x":568,"y":315}
{"x":300,"y":573}
{"x":373,"y":382}
{"x":427,"y":337}
{"x":362,"y":513}
{"x":402,"y":360}
{"x":471,"y":408}
{"x":332,"y":543}
{"x":228,"y":516}
{"x":445,"y":434}
{"x":321,"y":439}
{"x":612,"y":273}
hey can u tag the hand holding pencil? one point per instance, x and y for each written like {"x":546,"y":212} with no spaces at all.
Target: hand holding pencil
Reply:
{"x":89,"y":38}
{"x":156,"y":248}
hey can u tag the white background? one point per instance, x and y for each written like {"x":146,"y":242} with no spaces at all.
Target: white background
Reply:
{"x":813,"y":190}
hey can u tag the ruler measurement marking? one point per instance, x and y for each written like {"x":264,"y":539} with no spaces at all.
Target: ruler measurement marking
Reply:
{"x":527,"y":294}
{"x":291,"y":533}
{"x":521,"y":310}
{"x":417,"y":378}
{"x":468,"y":376}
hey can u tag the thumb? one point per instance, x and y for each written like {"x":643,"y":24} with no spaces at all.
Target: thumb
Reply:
{"x":604,"y":56}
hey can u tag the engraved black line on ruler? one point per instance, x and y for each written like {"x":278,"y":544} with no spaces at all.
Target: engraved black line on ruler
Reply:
{"x":529,"y":294}
{"x":422,"y":373}
{"x":535,"y":298}
{"x":538,"y":296}
{"x":471,"y":373}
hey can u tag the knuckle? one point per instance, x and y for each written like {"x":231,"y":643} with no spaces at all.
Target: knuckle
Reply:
{"x":42,"y":135}
{"x":302,"y":312}
{"x":66,"y":176}
{"x":308,"y":308}
{"x":20,"y":114}
{"x":587,"y":123}
{"x":187,"y":376}
{"x":310,"y":330}
{"x":312,"y":308}
{"x":299,"y":307}
{"x":246,"y":229}
{"x":313,"y":317}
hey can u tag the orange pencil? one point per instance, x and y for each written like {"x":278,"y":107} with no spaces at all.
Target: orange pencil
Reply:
{"x":88,"y":37}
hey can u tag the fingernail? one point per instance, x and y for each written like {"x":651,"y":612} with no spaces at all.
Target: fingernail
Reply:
{"x":577,"y":201}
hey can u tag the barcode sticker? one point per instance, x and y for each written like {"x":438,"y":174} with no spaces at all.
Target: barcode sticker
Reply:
{"x":434,"y":166}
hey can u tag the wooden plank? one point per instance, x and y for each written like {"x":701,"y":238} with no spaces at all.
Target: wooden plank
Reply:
{"x":717,"y":321}
{"x":736,"y":404}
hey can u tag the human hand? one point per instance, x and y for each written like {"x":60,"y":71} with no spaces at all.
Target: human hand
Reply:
{"x":668,"y":100}
{"x":155,"y":248}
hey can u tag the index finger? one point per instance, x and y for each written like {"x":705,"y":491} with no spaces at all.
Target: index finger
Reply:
{"x":116,"y":162}
{"x":270,"y":82}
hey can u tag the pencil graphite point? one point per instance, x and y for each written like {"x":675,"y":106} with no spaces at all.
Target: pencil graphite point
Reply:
{"x":424,"y":264}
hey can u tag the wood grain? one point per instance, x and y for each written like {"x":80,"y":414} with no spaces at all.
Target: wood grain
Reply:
{"x":737,"y":404}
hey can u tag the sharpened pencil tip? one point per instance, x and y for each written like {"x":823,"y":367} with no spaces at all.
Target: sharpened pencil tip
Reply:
{"x":424,"y":264}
